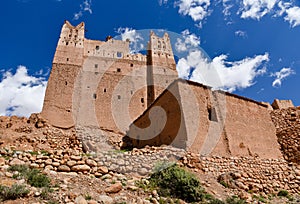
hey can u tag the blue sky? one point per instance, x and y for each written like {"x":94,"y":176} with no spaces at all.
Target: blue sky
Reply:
{"x":253,"y":44}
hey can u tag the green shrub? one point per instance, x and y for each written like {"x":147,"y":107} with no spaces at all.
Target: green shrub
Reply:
{"x":33,"y":176}
{"x":235,"y":200}
{"x":12,"y":193}
{"x":36,"y":179}
{"x":283,"y":193}
{"x":171,"y":180}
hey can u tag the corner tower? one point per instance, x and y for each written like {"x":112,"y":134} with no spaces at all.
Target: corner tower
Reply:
{"x":67,"y":62}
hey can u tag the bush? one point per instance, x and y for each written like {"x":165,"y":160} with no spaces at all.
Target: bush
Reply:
{"x":235,"y":200}
{"x":171,"y":180}
{"x":33,"y":176}
{"x":283,"y":193}
{"x":16,"y":191}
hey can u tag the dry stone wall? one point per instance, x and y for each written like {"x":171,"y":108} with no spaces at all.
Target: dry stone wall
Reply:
{"x":248,"y":173}
{"x":287,"y":123}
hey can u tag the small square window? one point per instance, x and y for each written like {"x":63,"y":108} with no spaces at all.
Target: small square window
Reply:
{"x":119,"y":54}
{"x":104,"y":90}
{"x":97,"y":47}
{"x":212,"y":114}
{"x":96,"y":65}
{"x":131,"y":65}
{"x":119,"y":97}
{"x":118,"y":69}
{"x":142,"y":100}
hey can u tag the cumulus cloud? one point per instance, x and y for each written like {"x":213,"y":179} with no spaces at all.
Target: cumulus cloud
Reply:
{"x":281,"y":75}
{"x":187,"y":42}
{"x":293,"y":16}
{"x":134,"y":37}
{"x":196,"y":9}
{"x":21,"y":94}
{"x":84,"y":7}
{"x":256,"y":9}
{"x":221,"y":73}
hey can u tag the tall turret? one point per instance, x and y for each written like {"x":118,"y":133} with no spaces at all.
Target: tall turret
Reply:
{"x":161,"y":70}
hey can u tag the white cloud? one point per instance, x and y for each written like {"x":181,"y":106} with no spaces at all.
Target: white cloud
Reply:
{"x":256,"y":9}
{"x":21,"y":94}
{"x":241,"y":33}
{"x":227,"y":5}
{"x":134,"y":37}
{"x":293,"y":16}
{"x":187,"y":42}
{"x":161,"y":2}
{"x":281,"y":75}
{"x":84,"y":7}
{"x":196,"y":9}
{"x":220,"y":73}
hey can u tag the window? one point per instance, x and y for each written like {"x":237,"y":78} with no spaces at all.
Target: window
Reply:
{"x":212,"y":114}
{"x":97,"y":47}
{"x":142,"y":100}
{"x":66,"y":83}
{"x":67,"y":59}
{"x":131,"y":65}
{"x":119,"y":97}
{"x":118,"y":69}
{"x":67,"y":43}
{"x":119,"y":54}
{"x":104,"y":90}
{"x":96,"y":65}
{"x":94,"y":96}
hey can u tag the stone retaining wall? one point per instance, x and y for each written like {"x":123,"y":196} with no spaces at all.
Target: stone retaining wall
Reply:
{"x":287,"y":123}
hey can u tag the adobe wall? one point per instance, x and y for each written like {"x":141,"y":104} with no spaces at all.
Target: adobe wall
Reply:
{"x":280,"y":104}
{"x":58,"y":100}
{"x":242,"y":127}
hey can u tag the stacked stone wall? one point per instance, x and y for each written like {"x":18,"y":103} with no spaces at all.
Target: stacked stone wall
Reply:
{"x":287,"y":123}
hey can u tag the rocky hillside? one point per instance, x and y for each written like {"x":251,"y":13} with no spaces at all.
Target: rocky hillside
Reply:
{"x":117,"y":176}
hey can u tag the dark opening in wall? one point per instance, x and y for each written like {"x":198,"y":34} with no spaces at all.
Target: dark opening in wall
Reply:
{"x":67,"y":59}
{"x":118,"y":69}
{"x":119,"y":97}
{"x":97,"y":47}
{"x":131,"y":65}
{"x":142,"y":100}
{"x":131,"y":92}
{"x":94,"y":96}
{"x":96,"y":65}
{"x":104,"y":90}
{"x":212,"y":114}
{"x":96,"y":73}
{"x":119,"y":54}
{"x":66,"y":83}
{"x":67,"y":43}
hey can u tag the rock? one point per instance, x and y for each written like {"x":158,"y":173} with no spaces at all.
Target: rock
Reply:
{"x":80,"y":200}
{"x":64,"y":168}
{"x":16,"y":161}
{"x":71,"y":163}
{"x":9,"y":174}
{"x":81,"y":168}
{"x":143,"y":171}
{"x":2,"y":161}
{"x":114,"y":188}
{"x":76,"y":158}
{"x":103,"y":169}
{"x":91,"y":162}
{"x":92,"y":202}
{"x":104,"y":199}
